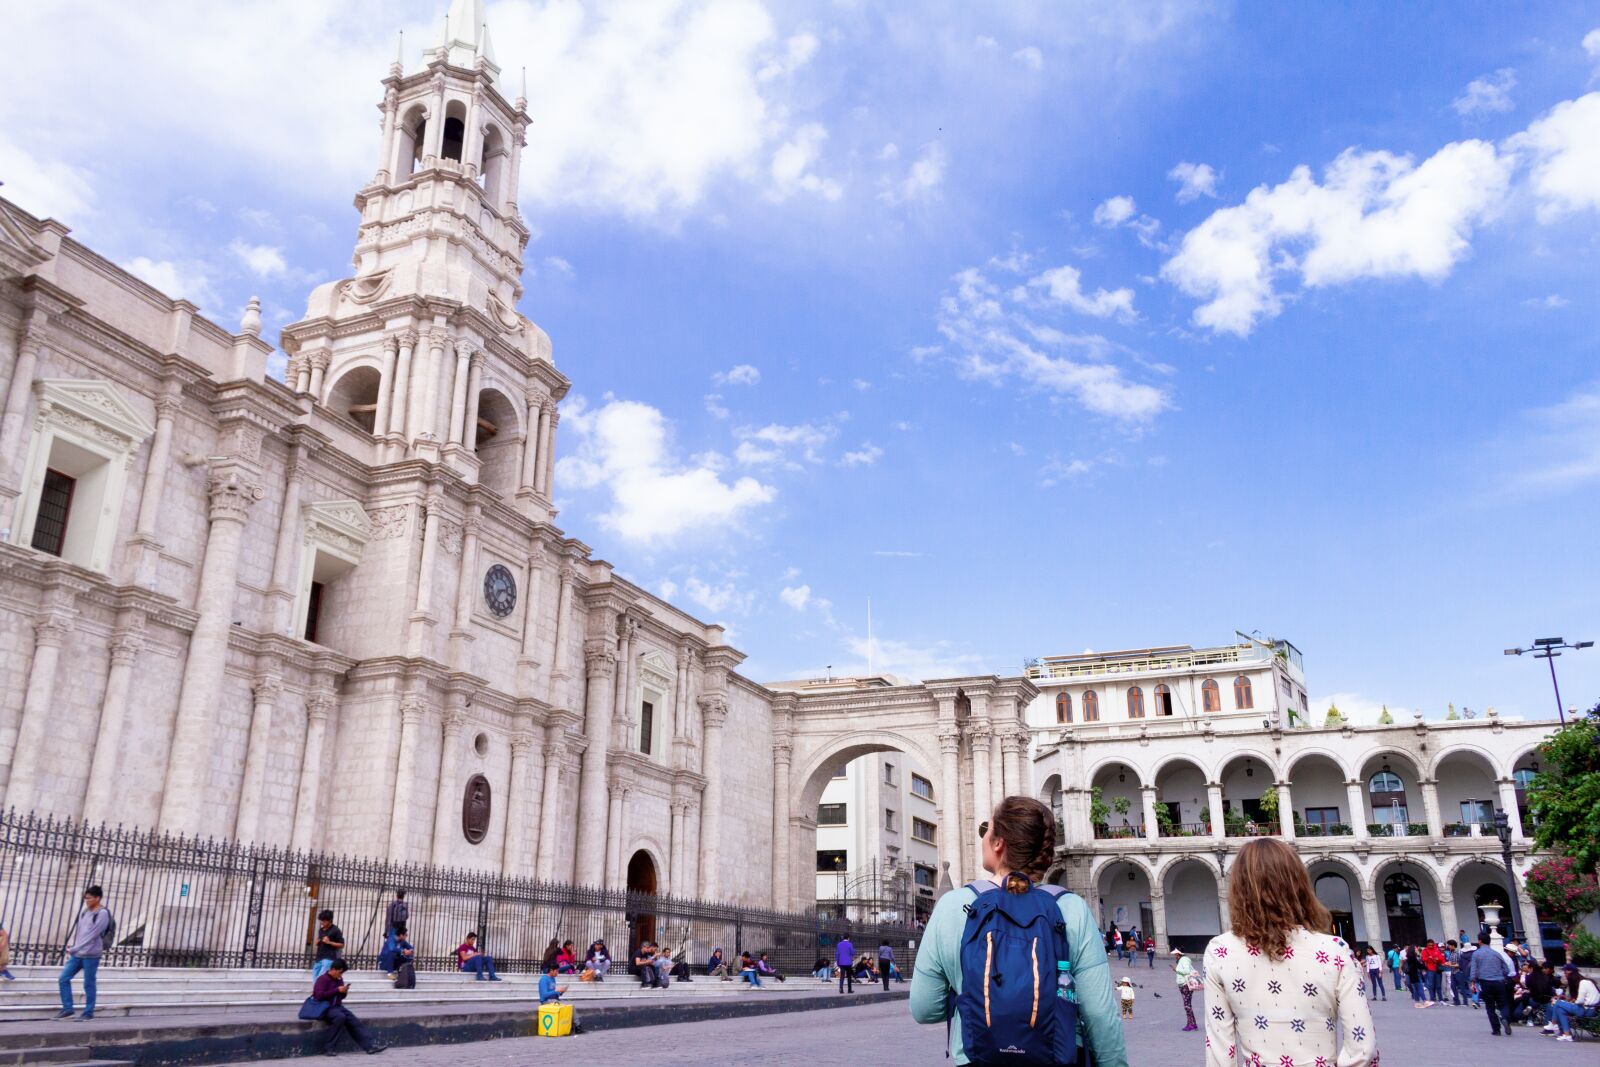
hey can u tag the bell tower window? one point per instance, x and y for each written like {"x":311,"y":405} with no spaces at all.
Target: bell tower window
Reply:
{"x":455,"y":131}
{"x":413,"y":135}
{"x":492,"y":167}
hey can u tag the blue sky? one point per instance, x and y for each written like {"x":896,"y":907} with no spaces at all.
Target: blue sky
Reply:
{"x":1047,"y":328}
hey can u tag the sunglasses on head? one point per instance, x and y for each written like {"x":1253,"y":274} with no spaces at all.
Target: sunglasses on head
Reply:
{"x":983,"y":829}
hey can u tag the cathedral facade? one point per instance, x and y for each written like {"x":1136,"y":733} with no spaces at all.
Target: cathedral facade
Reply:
{"x":334,"y":612}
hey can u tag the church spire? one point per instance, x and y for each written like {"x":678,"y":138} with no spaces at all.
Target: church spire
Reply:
{"x":466,"y":37}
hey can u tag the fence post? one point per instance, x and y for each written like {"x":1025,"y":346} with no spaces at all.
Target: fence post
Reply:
{"x":483,"y":922}
{"x":252,"y":916}
{"x":738,"y":930}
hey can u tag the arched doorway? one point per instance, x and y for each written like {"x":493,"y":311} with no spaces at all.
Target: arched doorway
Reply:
{"x":641,"y":882}
{"x":1333,"y":890}
{"x":1194,"y":905}
{"x":1402,"y":899}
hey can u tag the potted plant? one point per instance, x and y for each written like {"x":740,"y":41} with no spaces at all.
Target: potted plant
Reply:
{"x":1340,"y":829}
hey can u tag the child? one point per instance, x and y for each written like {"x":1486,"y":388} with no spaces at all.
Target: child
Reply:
{"x":1125,"y":992}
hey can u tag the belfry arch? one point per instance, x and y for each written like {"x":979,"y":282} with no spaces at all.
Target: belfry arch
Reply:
{"x":967,"y":733}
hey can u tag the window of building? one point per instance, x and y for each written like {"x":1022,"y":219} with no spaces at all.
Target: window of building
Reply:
{"x":888,"y":774}
{"x":922,"y":830}
{"x":1523,"y":779}
{"x":1135,"y":703}
{"x":1063,"y":707}
{"x":1210,"y":695}
{"x":922,"y":874}
{"x":831,"y":859}
{"x":1243,"y":698}
{"x":336,"y":533}
{"x":55,"y":506}
{"x":891,"y":821}
{"x":1091,"y":706}
{"x":921,"y":787}
{"x":831,"y":815}
{"x":1388,"y":795}
{"x":842,"y":772}
{"x":1477,"y":811}
{"x":1323,"y":817}
{"x":1163,"y":700}
{"x":313,"y":611}
{"x":647,"y":726}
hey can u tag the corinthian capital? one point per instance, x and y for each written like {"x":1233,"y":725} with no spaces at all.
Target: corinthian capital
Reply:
{"x":52,"y":629}
{"x":231,"y":497}
{"x":464,"y":348}
{"x":714,"y":709}
{"x":599,"y":655}
{"x":438,"y":339}
{"x":980,"y":730}
{"x":949,"y":739}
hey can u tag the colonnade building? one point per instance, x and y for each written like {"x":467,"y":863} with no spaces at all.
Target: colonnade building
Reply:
{"x":1396,"y":822}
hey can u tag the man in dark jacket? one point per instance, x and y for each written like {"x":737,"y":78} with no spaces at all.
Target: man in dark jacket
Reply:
{"x":330,"y":987}
{"x":399,"y":910}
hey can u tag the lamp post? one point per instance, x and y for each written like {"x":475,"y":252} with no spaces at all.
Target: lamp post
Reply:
{"x":1548,"y":648}
{"x":1502,"y":830}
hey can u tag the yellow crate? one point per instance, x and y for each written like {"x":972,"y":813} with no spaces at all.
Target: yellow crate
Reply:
{"x":555,"y":1020}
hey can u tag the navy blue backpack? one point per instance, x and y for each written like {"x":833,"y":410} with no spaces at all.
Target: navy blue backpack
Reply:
{"x":1011,"y":1012}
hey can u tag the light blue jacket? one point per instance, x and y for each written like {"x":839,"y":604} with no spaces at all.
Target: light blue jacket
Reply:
{"x":937,"y":977}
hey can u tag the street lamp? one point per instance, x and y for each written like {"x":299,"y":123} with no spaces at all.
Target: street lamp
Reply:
{"x":1548,"y":648}
{"x":1502,"y":830}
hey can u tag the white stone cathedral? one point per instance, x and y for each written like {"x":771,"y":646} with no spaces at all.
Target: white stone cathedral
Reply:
{"x":333,"y":612}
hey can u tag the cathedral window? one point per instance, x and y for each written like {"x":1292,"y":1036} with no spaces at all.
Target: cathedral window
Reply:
{"x":55,"y":507}
{"x":492,"y":166}
{"x":647,"y":726}
{"x":413,"y":139}
{"x":336,"y":532}
{"x":455,"y":131}
{"x":355,"y":396}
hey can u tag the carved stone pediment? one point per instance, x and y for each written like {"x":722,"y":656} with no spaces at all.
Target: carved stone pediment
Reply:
{"x":338,"y":526}
{"x":97,"y":403}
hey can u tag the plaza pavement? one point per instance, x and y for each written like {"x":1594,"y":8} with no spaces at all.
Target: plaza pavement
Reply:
{"x":884,"y":1036}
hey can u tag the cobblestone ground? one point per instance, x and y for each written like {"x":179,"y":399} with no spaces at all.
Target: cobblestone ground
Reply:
{"x":883,"y":1035}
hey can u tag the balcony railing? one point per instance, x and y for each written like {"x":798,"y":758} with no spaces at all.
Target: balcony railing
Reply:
{"x":1048,"y":670}
{"x":1410,"y":829}
{"x":1187,"y":829}
{"x":1254,"y":829}
{"x":1111,"y":833}
{"x":1338,"y":829}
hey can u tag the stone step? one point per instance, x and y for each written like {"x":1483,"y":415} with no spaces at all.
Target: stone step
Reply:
{"x":57,"y":1055}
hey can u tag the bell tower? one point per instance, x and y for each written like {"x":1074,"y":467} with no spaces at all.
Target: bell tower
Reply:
{"x":423,"y":347}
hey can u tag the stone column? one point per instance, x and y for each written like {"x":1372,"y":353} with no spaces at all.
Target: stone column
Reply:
{"x":386,"y":385}
{"x":469,"y":435}
{"x":555,"y":758}
{"x":1285,"y":811}
{"x":538,"y":399}
{"x":302,"y":375}
{"x":547,"y":452}
{"x":1509,"y":805}
{"x":447,"y":805}
{"x":1430,"y":805}
{"x":1152,"y":827}
{"x":405,"y":780}
{"x":286,"y":553}
{"x":391,"y":106}
{"x":247,"y":824}
{"x":1218,"y":813}
{"x":141,"y":562}
{"x":438,"y":340}
{"x":183,"y":808}
{"x":559,"y":656}
{"x":1447,"y":915}
{"x":38,"y":704}
{"x":1011,"y":746}
{"x":782,"y":754}
{"x":319,"y":368}
{"x":600,"y":663}
{"x":675,"y":856}
{"x":680,"y":694}
{"x":1158,"y":918}
{"x":318,"y":712}
{"x":1369,"y":915}
{"x":417,"y":402}
{"x":982,"y":798}
{"x":614,"y":836}
{"x":714,"y":711}
{"x":528,"y":659}
{"x":100,"y":804}
{"x":458,"y":391}
{"x":622,"y":708}
{"x":466,"y":579}
{"x":514,"y":861}
{"x":396,"y":427}
{"x":430,"y":552}
{"x":30,"y":346}
{"x":1356,"y":800}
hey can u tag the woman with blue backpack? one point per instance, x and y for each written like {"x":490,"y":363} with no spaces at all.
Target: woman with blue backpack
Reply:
{"x":1017,"y":970}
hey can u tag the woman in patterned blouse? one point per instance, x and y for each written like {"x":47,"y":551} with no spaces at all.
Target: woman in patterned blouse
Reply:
{"x":1280,"y":992}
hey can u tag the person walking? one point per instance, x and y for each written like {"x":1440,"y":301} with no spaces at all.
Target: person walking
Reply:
{"x":1150,"y":951}
{"x":1189,"y":984}
{"x":399,"y":912}
{"x":1583,"y":1002}
{"x":91,"y":936}
{"x":331,"y":988}
{"x":330,"y":943}
{"x":1394,"y":959}
{"x":1018,"y":845}
{"x":885,"y":963}
{"x":1491,"y":976}
{"x":1374,"y":966}
{"x":1279,"y":987}
{"x":845,"y":956}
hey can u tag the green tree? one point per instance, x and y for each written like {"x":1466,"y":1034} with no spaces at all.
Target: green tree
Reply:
{"x":1335,"y":716}
{"x":1269,"y":806}
{"x":1099,"y":810}
{"x":1451,"y":716}
{"x":1384,"y":718}
{"x":1564,"y":797}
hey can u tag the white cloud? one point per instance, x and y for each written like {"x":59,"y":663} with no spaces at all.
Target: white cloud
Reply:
{"x":1555,"y":448}
{"x":865,"y":456}
{"x":559,"y":266}
{"x":623,"y":448}
{"x":1488,"y":95}
{"x":714,"y":406}
{"x":666,"y":589}
{"x":993,"y":341}
{"x":1030,"y":57}
{"x":939,"y":659}
{"x":922,"y":179}
{"x":796,"y":596}
{"x":792,"y":165}
{"x":888,"y":152}
{"x":1064,"y":286}
{"x":721,"y":599}
{"x":264,"y":261}
{"x":46,"y":188}
{"x":984,"y":41}
{"x":1058,"y":470}
{"x":1550,"y":302}
{"x":1591,"y":44}
{"x":1373,"y":215}
{"x":798,"y":50}
{"x":1115,"y":211}
{"x":1194,"y":181}
{"x":740,"y":374}
{"x":1563,"y":151}
{"x":765,"y":446}
{"x":185,"y":281}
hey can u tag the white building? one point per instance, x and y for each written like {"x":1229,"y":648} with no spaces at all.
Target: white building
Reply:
{"x":1395,"y":822}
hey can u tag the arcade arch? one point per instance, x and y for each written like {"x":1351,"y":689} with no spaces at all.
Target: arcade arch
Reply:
{"x":1468,"y":793}
{"x":1122,"y":889}
{"x":1408,"y":902}
{"x":1181,"y":797}
{"x":1338,"y":885}
{"x":1192,"y":904}
{"x":1121,"y":791}
{"x":1392,"y":792}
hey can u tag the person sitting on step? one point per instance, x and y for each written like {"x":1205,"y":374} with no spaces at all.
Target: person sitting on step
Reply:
{"x":644,"y":965}
{"x":550,"y":993}
{"x":765,"y":969}
{"x":331,"y":988}
{"x":468,"y":958}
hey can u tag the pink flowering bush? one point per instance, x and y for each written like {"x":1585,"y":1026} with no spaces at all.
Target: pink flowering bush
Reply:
{"x":1562,"y":893}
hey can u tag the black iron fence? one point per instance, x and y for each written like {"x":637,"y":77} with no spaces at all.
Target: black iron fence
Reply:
{"x":186,"y":902}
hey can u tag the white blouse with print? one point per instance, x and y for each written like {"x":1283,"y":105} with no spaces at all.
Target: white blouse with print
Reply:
{"x":1306,"y":1010}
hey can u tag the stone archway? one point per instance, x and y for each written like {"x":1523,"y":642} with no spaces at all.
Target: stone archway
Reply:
{"x":643,"y":881}
{"x":968,"y":733}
